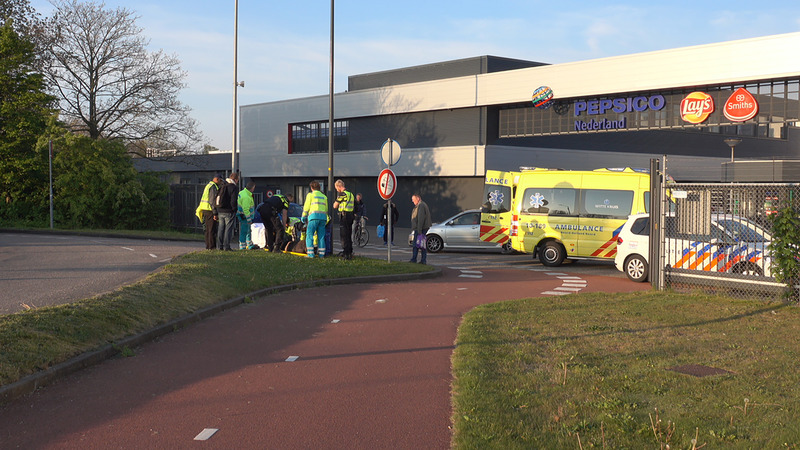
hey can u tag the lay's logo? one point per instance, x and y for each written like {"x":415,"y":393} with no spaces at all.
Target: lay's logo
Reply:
{"x":696,"y":107}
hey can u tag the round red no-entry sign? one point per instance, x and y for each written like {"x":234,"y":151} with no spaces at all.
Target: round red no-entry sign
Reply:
{"x":387,"y":184}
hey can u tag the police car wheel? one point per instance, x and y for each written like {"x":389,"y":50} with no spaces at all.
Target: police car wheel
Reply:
{"x":747,"y":269}
{"x":636,"y":268}
{"x":552,"y":254}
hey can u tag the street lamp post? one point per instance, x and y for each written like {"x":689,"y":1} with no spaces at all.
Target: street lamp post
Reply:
{"x":732,"y":142}
{"x":330,"y":117}
{"x":236,"y":83}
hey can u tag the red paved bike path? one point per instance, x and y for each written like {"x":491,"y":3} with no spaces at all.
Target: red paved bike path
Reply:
{"x":379,"y":378}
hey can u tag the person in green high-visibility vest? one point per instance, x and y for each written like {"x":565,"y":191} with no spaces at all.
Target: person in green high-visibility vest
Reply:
{"x":315,"y":215}
{"x":244,"y":212}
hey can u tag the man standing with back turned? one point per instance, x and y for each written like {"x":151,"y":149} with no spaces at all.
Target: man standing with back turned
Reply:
{"x":315,"y":215}
{"x":244,"y":212}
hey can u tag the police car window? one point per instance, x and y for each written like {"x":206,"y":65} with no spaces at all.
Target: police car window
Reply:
{"x":550,"y":201}
{"x":607,"y":204}
{"x":742,"y":231}
{"x":497,"y":199}
{"x":641,"y":226}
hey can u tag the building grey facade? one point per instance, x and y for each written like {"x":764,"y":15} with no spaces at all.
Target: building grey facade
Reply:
{"x":454,"y":120}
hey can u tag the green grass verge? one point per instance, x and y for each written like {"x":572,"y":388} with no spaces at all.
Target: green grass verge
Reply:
{"x":593,"y":371}
{"x":37,"y":339}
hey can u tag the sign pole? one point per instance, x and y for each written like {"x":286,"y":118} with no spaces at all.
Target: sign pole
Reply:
{"x":389,"y":214}
{"x":387,"y":186}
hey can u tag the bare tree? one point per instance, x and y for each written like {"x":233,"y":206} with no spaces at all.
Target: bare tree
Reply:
{"x":109,"y":85}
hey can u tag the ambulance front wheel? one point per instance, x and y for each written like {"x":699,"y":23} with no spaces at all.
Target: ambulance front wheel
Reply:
{"x":552,"y":254}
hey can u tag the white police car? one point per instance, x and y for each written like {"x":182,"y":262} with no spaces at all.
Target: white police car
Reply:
{"x":730,"y":244}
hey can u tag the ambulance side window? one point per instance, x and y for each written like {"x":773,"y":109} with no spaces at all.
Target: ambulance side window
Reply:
{"x":497,"y":199}
{"x":607,"y":204}
{"x":550,"y":201}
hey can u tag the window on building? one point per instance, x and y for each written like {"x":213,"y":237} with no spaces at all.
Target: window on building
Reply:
{"x":312,"y":137}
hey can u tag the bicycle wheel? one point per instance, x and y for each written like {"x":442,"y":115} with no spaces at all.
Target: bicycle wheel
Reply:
{"x":362,"y":237}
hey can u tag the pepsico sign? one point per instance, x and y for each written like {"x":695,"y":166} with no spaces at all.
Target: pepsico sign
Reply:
{"x":696,"y":107}
{"x":741,"y":106}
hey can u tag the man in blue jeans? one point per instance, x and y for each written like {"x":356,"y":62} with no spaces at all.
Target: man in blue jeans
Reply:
{"x":420,"y":223}
{"x":226,"y":210}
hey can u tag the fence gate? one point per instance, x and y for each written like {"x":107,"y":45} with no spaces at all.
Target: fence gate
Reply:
{"x":715,"y":237}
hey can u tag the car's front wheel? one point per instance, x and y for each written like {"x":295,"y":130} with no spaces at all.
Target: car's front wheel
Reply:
{"x":636,"y":268}
{"x":435,"y":243}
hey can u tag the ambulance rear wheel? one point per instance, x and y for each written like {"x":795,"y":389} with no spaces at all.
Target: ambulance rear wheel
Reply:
{"x":552,"y":254}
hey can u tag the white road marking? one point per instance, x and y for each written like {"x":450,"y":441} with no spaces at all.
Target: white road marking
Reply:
{"x":464,"y":275}
{"x":154,"y":256}
{"x":554,"y":293}
{"x":126,"y":248}
{"x":206,"y":434}
{"x":292,"y":358}
{"x":462,"y":289}
{"x":471,"y":271}
{"x":335,"y":321}
{"x":380,"y":300}
{"x":555,"y":274}
{"x":570,"y":289}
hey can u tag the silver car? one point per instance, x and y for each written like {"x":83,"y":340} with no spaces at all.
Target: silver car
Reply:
{"x":460,"y":231}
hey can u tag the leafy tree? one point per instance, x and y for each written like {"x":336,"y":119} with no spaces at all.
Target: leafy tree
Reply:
{"x":108,"y":84}
{"x":96,"y":186}
{"x":25,"y":110}
{"x":785,"y":249}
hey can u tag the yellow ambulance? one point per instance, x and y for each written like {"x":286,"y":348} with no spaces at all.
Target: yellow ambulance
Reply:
{"x":557,"y":214}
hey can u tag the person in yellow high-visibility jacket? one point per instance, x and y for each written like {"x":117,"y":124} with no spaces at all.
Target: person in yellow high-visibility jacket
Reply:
{"x":207,"y":212}
{"x":345,"y":203}
{"x":315,"y":215}
{"x":244,"y":212}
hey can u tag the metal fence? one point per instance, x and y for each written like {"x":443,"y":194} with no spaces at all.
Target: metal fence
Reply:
{"x":716,"y":237}
{"x":183,"y":201}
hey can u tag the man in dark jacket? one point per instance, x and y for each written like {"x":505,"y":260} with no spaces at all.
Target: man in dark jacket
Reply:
{"x":420,"y":222}
{"x":385,"y":221}
{"x":274,"y":213}
{"x":226,"y":211}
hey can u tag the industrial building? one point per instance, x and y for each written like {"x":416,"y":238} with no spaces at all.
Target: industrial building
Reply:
{"x":700,"y":107}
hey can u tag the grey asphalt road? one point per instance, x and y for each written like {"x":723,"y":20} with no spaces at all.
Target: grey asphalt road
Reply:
{"x":48,"y":269}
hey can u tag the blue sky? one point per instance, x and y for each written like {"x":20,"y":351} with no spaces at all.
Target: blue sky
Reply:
{"x":284,"y":46}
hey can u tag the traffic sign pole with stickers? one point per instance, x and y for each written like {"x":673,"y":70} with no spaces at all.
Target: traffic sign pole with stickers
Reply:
{"x":387,"y":186}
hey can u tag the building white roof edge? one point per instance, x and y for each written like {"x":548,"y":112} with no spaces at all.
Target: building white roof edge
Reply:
{"x":718,"y":63}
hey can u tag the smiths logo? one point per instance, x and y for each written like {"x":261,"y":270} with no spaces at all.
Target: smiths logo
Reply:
{"x":741,"y":106}
{"x":696,"y":107}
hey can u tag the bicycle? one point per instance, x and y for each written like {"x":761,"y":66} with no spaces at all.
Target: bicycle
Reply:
{"x":361,"y":233}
